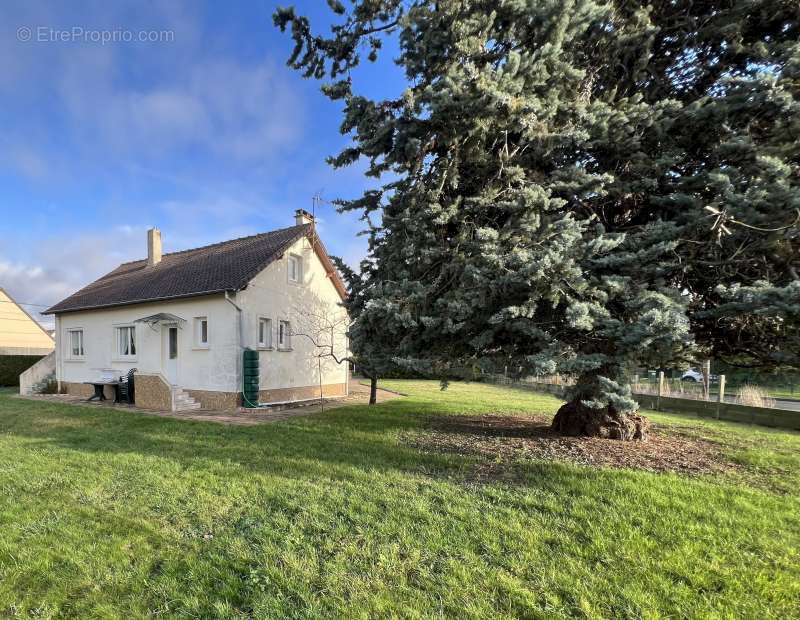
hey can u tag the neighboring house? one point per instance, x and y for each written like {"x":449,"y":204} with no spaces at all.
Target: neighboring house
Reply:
{"x":20,"y":333}
{"x":183,"y":320}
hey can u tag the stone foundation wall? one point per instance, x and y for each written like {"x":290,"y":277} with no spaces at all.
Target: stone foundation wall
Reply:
{"x":215,"y":400}
{"x":232,"y":400}
{"x":80,"y":389}
{"x":302,"y":393}
{"x":151,"y":392}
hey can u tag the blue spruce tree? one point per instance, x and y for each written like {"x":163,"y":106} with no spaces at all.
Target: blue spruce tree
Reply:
{"x":576,"y":186}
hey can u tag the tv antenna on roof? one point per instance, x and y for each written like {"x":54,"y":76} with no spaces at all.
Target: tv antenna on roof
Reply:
{"x":316,"y":200}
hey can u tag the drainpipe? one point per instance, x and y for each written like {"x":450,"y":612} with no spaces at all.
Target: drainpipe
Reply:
{"x":239,"y":337}
{"x":59,"y":354}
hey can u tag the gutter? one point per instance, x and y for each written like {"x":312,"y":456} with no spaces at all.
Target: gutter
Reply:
{"x":54,"y":310}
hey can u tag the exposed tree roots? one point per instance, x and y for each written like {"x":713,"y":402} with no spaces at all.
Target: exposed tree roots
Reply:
{"x":576,"y":419}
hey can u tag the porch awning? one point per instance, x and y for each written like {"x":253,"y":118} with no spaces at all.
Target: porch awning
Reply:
{"x":161,"y":317}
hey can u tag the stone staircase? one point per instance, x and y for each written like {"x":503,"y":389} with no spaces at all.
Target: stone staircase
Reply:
{"x":182,"y":401}
{"x":35,"y":378}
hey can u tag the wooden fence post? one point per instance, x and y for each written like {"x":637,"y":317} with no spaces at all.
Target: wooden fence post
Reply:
{"x":721,"y":397}
{"x":660,"y":389}
{"x":707,"y":380}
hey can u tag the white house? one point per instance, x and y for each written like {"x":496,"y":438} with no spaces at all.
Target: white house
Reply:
{"x":183,"y":320}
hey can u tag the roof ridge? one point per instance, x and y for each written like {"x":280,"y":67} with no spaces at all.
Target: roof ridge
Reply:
{"x":211,"y":245}
{"x":194,"y":271}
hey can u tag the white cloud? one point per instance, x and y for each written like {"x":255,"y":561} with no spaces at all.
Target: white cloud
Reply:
{"x":187,"y":136}
{"x":143,"y":102}
{"x":248,"y":113}
{"x":59,"y":266}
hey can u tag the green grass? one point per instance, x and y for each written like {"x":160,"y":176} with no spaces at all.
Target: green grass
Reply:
{"x":731,"y":389}
{"x":111,"y":514}
{"x":784,"y":393}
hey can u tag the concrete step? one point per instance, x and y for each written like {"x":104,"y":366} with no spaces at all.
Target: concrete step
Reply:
{"x":182,"y":400}
{"x":187,"y":406}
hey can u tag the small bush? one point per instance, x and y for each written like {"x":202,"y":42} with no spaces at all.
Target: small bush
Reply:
{"x":51,"y":387}
{"x":754,"y":396}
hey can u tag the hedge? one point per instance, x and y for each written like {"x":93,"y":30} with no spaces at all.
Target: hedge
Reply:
{"x":12,"y":366}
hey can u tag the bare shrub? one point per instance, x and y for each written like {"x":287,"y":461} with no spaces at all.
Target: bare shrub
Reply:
{"x":557,"y":380}
{"x":754,"y":396}
{"x":50,"y":387}
{"x":651,"y":387}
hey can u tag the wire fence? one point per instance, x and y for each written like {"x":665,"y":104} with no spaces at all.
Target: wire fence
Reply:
{"x":776,"y":395}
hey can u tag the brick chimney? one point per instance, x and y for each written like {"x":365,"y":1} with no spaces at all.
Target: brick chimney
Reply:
{"x":301,"y":216}
{"x":153,"y":247}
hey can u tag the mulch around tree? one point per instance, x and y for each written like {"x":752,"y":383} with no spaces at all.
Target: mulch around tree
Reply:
{"x":508,"y":439}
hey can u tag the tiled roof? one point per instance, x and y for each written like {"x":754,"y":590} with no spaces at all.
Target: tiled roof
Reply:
{"x":226,"y":266}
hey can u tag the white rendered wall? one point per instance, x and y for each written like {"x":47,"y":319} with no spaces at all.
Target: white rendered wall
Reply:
{"x":271,"y":295}
{"x":216,"y":368}
{"x":212,"y":368}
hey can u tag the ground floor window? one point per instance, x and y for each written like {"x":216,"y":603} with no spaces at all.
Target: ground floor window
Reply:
{"x":75,"y":343}
{"x":126,"y":341}
{"x":201,"y":331}
{"x":264,"y":333}
{"x":284,"y":335}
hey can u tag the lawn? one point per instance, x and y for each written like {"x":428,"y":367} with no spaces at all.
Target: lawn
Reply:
{"x":791,"y":394}
{"x":113,"y":514}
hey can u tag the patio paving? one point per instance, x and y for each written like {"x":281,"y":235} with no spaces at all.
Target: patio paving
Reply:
{"x":359,"y":395}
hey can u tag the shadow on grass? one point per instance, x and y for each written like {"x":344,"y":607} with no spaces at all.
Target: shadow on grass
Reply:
{"x":348,"y":443}
{"x":319,"y":445}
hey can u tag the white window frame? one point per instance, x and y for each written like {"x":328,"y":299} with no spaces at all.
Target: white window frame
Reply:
{"x":266,"y":341}
{"x":69,"y":354}
{"x":297,"y":261}
{"x":284,"y":335}
{"x":118,"y":341}
{"x":197,"y":328}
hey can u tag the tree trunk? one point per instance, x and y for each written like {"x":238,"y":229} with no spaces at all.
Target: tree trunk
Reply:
{"x":373,"y":390}
{"x":618,"y":418}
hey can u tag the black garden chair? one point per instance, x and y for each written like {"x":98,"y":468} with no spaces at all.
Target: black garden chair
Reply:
{"x":126,"y":392}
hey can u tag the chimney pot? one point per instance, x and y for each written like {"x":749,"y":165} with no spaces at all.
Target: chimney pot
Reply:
{"x":301,"y":216}
{"x":153,"y":247}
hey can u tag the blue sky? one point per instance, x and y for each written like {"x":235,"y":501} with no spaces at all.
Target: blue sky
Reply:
{"x":205,"y":134}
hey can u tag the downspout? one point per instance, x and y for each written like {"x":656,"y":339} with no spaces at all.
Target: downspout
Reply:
{"x":239,"y":338}
{"x":59,"y":354}
{"x":240,"y":356}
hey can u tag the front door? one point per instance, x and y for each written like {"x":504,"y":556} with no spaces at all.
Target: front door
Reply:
{"x":169,"y":354}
